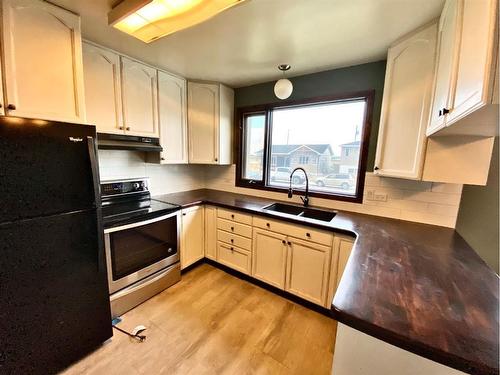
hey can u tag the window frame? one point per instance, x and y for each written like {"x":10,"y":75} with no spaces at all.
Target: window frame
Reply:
{"x":366,"y":95}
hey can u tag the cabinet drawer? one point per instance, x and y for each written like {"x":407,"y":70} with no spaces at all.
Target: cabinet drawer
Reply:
{"x":236,"y":228}
{"x":297,"y":231}
{"x":234,"y":216}
{"x":234,"y":257}
{"x":234,"y":239}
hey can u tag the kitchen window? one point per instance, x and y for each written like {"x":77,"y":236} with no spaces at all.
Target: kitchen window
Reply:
{"x":327,"y":137}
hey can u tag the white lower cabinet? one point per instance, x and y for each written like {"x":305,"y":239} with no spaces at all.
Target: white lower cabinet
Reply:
{"x":211,"y":232}
{"x":308,"y":270}
{"x":269,"y":257}
{"x":342,"y":247}
{"x":234,"y":257}
{"x":193,"y":236}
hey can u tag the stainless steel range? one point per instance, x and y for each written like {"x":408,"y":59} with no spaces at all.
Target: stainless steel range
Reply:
{"x":141,"y":239}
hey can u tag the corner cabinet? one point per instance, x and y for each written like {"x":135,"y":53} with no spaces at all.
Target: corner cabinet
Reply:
{"x":139,"y":97}
{"x":406,"y":103}
{"x":192,"y":246}
{"x":102,"y":89}
{"x":42,"y":55}
{"x":210,"y":118}
{"x":467,"y":53}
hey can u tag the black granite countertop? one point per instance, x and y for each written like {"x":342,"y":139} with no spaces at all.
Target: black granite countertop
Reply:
{"x":416,"y":286}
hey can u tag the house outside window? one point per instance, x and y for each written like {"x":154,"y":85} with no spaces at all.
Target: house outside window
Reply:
{"x":327,"y":137}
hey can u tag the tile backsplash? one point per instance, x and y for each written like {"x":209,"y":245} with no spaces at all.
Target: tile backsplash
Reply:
{"x":425,"y":202}
{"x":116,"y":164}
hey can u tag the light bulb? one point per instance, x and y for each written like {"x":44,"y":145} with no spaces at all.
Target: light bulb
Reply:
{"x":283,"y":88}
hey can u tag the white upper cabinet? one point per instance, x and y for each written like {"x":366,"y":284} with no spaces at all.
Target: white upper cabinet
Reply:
{"x":210,"y":118}
{"x":406,"y":103}
{"x":43,"y":61}
{"x":102,"y":89}
{"x":466,"y":60}
{"x":447,"y":41}
{"x":172,"y":108}
{"x":139,"y":98}
{"x":476,"y":58}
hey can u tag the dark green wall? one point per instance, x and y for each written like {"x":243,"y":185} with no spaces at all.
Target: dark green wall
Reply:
{"x":478,"y":221}
{"x":353,"y":78}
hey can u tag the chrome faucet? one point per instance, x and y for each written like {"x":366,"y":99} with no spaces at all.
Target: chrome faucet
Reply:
{"x":305,"y":198}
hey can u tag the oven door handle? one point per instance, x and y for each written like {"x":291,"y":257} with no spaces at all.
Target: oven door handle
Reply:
{"x":141,"y":223}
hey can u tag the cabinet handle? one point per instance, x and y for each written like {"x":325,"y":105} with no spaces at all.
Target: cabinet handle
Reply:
{"x":445,"y":111}
{"x":127,"y":128}
{"x":12,"y":107}
{"x":308,"y":235}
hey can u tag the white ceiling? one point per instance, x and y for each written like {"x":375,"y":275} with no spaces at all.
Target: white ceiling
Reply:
{"x":244,"y":45}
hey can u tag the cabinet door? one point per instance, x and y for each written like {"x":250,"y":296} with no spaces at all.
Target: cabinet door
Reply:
{"x":308,"y":270}
{"x":448,"y":33}
{"x":475,"y":59}
{"x":192,"y":246}
{"x":342,"y":246}
{"x":172,"y":118}
{"x":211,"y":232}
{"x":101,"y":69}
{"x":226,"y":119}
{"x":269,"y":257}
{"x":139,"y":96}
{"x":203,"y":122}
{"x":406,"y":105}
{"x":43,"y":61}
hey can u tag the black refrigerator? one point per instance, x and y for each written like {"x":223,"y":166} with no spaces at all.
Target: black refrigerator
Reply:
{"x":54,"y":300}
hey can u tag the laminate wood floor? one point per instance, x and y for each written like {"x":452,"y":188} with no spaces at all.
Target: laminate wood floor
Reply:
{"x":214,"y":323}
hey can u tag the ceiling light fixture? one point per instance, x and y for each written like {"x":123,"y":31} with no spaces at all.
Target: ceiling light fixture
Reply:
{"x":283,"y":87}
{"x":149,"y":20}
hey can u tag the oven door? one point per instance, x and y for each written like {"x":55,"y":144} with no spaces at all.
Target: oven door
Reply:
{"x":135,"y":251}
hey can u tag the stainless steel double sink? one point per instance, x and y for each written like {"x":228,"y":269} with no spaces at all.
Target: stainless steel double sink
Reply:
{"x":305,"y":212}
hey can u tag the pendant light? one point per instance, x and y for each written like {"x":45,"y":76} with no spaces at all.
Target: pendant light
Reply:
{"x":283,"y":87}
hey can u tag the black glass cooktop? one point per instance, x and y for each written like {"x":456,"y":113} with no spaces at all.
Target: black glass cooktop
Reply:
{"x":134,"y":211}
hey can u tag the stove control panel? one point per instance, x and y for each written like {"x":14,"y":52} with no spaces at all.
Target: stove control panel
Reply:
{"x":118,"y":187}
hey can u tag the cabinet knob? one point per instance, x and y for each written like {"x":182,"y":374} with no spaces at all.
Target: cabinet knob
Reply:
{"x":283,"y":242}
{"x":232,"y":248}
{"x":268,"y":225}
{"x":232,"y":228}
{"x":440,"y":113}
{"x":120,"y":127}
{"x":289,"y":243}
{"x":445,"y":111}
{"x":232,"y":216}
{"x":232,"y":240}
{"x":183,"y":214}
{"x":162,"y":158}
{"x":216,"y":159}
{"x":12,"y":107}
{"x":127,"y":128}
{"x":376,"y":168}
{"x":308,"y":235}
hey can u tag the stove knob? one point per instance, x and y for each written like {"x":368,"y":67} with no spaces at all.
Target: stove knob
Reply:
{"x":143,"y":186}
{"x":136,"y":186}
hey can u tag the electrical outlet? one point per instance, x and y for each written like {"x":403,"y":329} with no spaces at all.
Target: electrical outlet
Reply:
{"x":372,"y":195}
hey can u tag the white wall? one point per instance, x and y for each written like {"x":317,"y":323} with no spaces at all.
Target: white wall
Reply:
{"x":425,"y":202}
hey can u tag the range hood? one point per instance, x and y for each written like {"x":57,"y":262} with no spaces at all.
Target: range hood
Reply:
{"x":127,"y":142}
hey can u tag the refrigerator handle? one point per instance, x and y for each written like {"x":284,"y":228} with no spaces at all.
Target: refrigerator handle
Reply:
{"x":92,"y":150}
